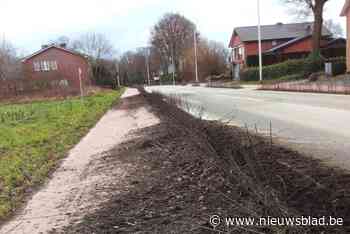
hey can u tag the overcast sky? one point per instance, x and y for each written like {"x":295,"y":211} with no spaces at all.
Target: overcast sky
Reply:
{"x":127,"y":23}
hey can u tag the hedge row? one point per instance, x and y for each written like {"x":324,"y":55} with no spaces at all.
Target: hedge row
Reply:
{"x":274,"y":71}
{"x":293,"y":77}
{"x":302,"y":67}
{"x":338,"y":65}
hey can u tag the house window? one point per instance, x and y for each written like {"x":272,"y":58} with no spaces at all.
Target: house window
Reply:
{"x":53,"y":65}
{"x":240,"y":52}
{"x":45,"y":66}
{"x":36,"y":66}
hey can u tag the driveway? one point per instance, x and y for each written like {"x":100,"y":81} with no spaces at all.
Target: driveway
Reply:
{"x":316,"y":124}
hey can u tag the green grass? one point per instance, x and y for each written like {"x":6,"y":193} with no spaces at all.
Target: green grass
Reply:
{"x":33,"y":137}
{"x":293,"y":77}
{"x":242,"y":82}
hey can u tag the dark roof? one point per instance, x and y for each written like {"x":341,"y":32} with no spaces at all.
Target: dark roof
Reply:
{"x":50,"y":47}
{"x":345,"y":8}
{"x":277,"y":31}
{"x":295,"y":40}
{"x":339,"y":41}
{"x":287,"y":44}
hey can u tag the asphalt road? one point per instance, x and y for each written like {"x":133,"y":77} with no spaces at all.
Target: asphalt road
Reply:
{"x":316,"y":124}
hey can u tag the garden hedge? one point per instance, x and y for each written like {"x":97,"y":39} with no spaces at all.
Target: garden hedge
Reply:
{"x":274,"y":71}
{"x":302,"y":67}
{"x":338,"y":65}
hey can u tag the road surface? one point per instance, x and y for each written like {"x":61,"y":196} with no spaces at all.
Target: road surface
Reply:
{"x":316,"y":124}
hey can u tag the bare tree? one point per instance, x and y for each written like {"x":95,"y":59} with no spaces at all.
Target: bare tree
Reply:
{"x":95,"y":45}
{"x":335,"y":28}
{"x":171,"y":36}
{"x":307,"y":8}
{"x":133,"y":69}
{"x":100,"y":52}
{"x":217,"y":57}
{"x":10,"y":66}
{"x":212,"y":60}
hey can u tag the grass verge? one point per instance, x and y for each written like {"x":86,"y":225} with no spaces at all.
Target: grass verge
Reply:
{"x":34,"y":137}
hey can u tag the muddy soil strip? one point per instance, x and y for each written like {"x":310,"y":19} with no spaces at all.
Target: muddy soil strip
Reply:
{"x":186,"y":170}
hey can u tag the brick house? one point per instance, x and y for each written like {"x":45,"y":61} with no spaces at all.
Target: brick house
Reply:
{"x":279,"y":42}
{"x":346,"y":12}
{"x":56,"y":63}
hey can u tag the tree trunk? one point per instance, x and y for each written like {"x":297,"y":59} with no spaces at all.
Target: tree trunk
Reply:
{"x":318,"y":25}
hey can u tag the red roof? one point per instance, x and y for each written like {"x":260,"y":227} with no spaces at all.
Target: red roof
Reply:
{"x":50,"y":47}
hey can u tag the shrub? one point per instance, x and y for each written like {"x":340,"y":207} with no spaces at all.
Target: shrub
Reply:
{"x":168,"y":79}
{"x":313,"y":63}
{"x":137,"y":78}
{"x":338,"y":65}
{"x":293,"y":77}
{"x":316,"y":76}
{"x":338,"y":68}
{"x":275,"y":71}
{"x":298,"y":76}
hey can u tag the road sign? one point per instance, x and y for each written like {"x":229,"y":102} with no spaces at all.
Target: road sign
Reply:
{"x":171,"y":68}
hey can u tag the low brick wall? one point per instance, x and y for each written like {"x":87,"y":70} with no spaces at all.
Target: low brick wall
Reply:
{"x":337,"y":87}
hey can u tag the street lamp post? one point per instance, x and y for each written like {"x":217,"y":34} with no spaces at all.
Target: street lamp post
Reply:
{"x":259,"y":38}
{"x":195,"y":54}
{"x":173,"y":65}
{"x":118,"y":77}
{"x":147,"y":66}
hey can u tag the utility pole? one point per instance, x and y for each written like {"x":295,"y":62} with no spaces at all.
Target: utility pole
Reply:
{"x":259,"y":38}
{"x":147,"y":66}
{"x":80,"y":83}
{"x":118,"y":77}
{"x":195,"y":54}
{"x":173,"y":65}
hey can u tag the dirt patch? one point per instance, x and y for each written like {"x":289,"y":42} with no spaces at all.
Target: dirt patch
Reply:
{"x":167,"y":191}
{"x":186,"y":170}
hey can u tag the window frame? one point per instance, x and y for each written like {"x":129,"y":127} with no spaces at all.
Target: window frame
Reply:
{"x":45,"y":65}
{"x":36,"y":66}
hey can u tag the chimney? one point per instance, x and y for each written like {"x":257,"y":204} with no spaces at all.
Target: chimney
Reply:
{"x":308,"y":29}
{"x":44,"y":46}
{"x":63,"y":45}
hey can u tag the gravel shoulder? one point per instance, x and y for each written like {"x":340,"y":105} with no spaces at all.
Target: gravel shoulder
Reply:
{"x":67,"y":196}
